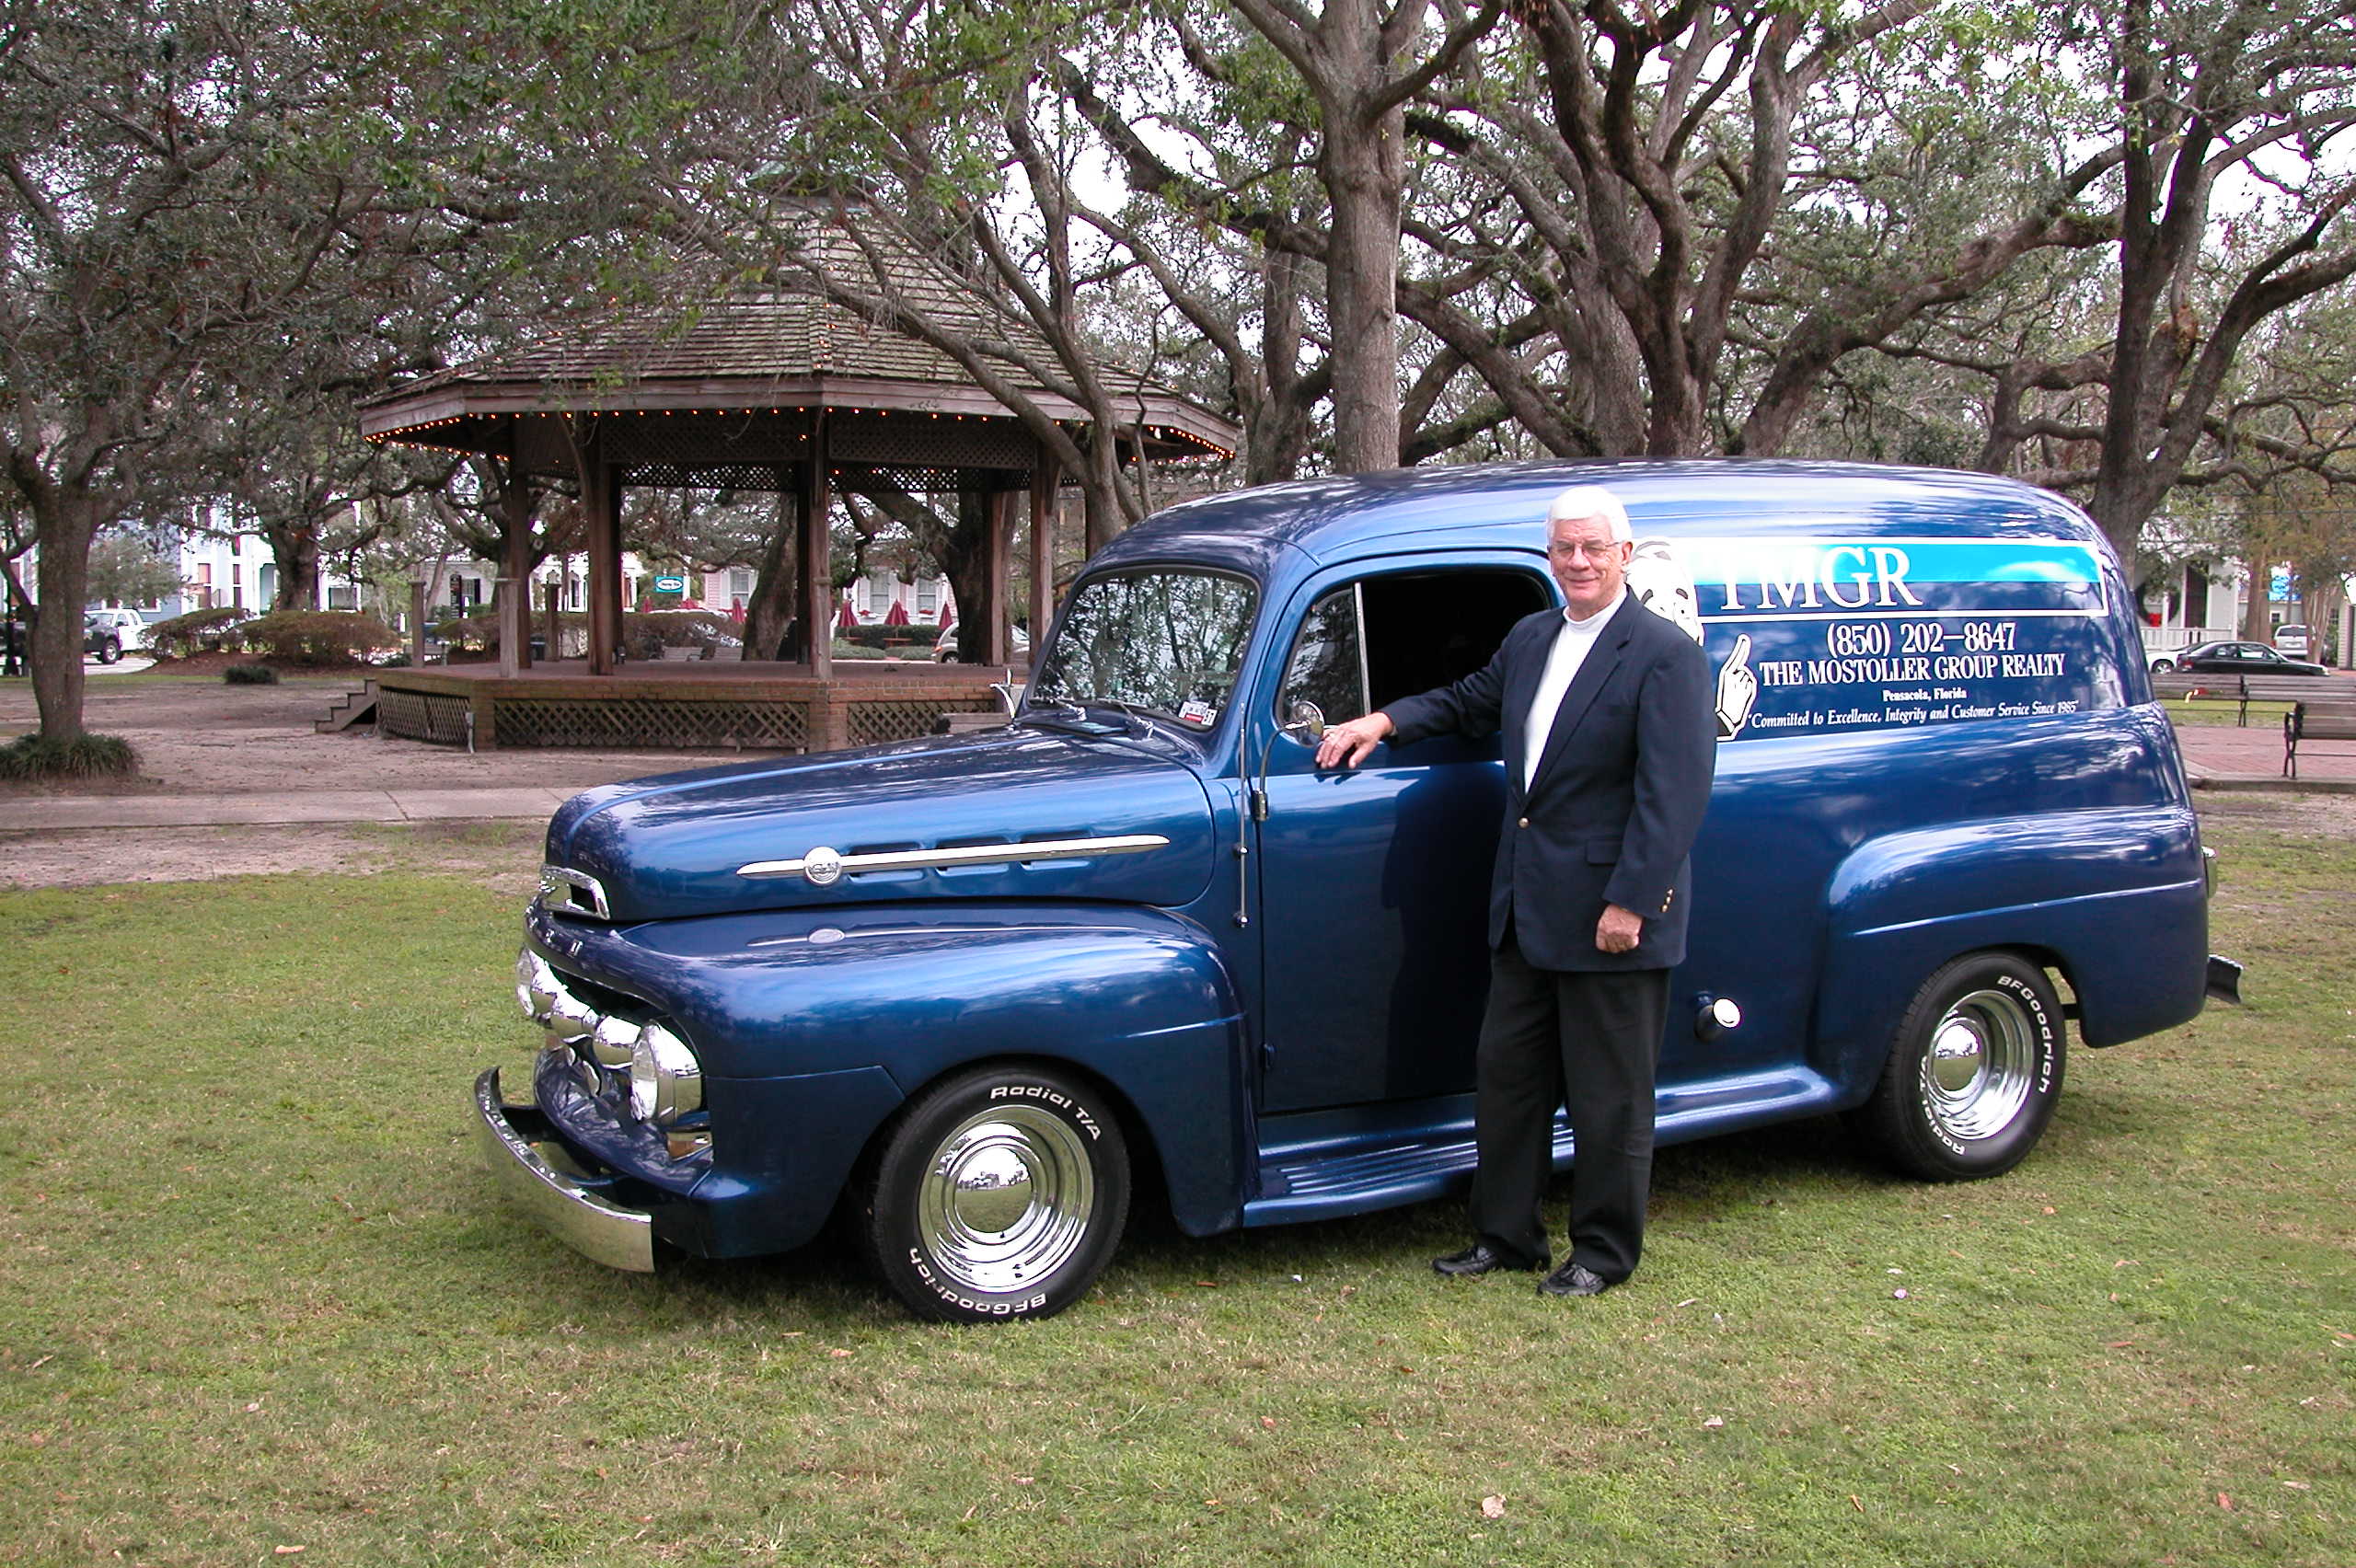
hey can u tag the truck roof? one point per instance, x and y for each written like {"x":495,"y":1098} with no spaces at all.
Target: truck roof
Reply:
{"x":1501,"y":504}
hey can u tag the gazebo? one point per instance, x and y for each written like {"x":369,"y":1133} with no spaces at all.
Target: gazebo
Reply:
{"x":760,"y":391}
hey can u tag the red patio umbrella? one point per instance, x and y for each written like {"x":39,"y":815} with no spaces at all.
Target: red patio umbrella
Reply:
{"x":897,"y":615}
{"x":848,"y":618}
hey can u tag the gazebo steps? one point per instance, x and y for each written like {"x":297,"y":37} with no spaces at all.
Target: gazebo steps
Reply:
{"x":352,"y":707}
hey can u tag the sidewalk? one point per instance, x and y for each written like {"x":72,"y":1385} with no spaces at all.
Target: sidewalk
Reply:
{"x":2223,"y":757}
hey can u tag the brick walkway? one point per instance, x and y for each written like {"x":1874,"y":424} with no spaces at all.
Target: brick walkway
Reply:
{"x":2224,"y":756}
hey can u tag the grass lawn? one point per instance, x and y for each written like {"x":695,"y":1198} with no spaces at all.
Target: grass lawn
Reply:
{"x":256,"y":1296}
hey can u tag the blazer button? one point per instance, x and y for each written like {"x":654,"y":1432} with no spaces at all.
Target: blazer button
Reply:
{"x":1524,"y":822}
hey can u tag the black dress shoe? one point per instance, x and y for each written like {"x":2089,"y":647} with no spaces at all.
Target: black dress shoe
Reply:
{"x":1574,"y":1279}
{"x":1481,"y":1258}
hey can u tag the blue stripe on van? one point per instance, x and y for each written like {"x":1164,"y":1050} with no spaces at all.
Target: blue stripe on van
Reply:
{"x":2057,"y":562}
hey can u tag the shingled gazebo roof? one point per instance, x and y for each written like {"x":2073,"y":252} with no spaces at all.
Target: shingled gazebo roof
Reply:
{"x":724,"y":392}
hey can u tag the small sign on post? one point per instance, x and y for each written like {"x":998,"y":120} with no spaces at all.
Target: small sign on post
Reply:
{"x":670,"y":585}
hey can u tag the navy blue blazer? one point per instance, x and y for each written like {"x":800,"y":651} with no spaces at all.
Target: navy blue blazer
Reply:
{"x":1612,"y":814}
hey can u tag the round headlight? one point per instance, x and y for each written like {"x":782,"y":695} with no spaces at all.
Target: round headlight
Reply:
{"x":665,"y":1079}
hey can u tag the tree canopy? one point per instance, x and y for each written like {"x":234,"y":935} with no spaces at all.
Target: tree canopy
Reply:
{"x":2105,"y":245}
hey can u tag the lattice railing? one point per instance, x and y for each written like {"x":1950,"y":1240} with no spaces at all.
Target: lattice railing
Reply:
{"x":872,"y":723}
{"x":629,"y":723}
{"x":423,"y":716}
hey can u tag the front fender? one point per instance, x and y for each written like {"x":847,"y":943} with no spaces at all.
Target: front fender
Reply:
{"x":2121,"y":911}
{"x":1135,"y":998}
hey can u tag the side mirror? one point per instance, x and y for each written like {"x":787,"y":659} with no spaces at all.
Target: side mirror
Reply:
{"x":1308,"y":722}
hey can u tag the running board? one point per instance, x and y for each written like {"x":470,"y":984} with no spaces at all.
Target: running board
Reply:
{"x":1322,"y":1165}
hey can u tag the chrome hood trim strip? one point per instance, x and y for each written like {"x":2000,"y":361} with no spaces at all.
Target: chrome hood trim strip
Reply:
{"x":822,"y":866}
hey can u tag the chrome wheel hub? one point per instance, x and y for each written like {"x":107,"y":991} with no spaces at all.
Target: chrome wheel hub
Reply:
{"x":1006,"y":1199}
{"x":1982,"y":1063}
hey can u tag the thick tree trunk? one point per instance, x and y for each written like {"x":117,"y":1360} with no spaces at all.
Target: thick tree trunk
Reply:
{"x":771,"y":607}
{"x":965,"y":555}
{"x":1276,"y":434}
{"x":1363,"y":173}
{"x":1100,"y":493}
{"x":67,"y":523}
{"x":296,"y":553}
{"x":2258,"y":625}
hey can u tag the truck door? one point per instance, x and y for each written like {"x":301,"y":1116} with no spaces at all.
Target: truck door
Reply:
{"x":1373,"y":884}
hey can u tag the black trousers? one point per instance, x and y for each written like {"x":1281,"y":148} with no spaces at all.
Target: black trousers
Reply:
{"x":1588,"y":1043}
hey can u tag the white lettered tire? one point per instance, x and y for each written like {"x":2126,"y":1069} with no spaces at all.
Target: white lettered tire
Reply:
{"x":999,"y":1194}
{"x":1974,"y":1071}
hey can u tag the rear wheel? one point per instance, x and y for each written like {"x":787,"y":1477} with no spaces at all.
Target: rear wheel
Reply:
{"x":1000,"y":1193}
{"x":1973,"y":1073}
{"x":2162,"y":666}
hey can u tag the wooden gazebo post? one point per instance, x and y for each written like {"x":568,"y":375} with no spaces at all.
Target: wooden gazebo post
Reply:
{"x":1044,"y":477}
{"x":813,"y":563}
{"x":997,"y":646}
{"x":601,"y":504}
{"x":515,"y":566}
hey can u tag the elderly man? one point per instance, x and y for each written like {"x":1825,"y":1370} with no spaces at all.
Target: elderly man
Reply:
{"x":1610,"y":742}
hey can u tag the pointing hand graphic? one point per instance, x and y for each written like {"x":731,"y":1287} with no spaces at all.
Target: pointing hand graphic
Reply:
{"x":1738,"y":689}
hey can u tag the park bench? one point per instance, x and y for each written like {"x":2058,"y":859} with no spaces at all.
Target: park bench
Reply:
{"x":2239,"y":690}
{"x":2308,"y":722}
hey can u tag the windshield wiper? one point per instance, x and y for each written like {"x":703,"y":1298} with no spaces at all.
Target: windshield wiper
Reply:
{"x":1143,"y":716}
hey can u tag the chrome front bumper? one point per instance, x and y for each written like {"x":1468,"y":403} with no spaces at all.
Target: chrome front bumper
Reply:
{"x":537,"y":1175}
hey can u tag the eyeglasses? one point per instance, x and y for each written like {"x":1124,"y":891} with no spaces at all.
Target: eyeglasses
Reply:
{"x":1595,"y":549}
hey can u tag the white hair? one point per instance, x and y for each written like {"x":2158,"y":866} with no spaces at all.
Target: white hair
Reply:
{"x":1581,"y":503}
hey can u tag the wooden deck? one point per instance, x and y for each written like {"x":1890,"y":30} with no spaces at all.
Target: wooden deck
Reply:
{"x":693,"y":703}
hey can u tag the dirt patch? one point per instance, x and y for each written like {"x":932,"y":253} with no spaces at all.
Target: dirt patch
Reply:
{"x":2316,"y":816}
{"x":204,"y":737}
{"x":503,"y":855}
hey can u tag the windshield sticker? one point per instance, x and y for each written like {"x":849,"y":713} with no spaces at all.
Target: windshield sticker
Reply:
{"x":1195,"y":711}
{"x":1817,"y":636}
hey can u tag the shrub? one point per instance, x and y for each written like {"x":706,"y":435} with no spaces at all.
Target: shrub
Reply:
{"x":646,"y":633}
{"x":881,"y":636}
{"x":84,"y":756}
{"x":195,"y":632}
{"x":249,"y":674}
{"x":318,"y":637}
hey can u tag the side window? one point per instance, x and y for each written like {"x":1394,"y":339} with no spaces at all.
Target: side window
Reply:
{"x":1328,"y":664}
{"x":1426,"y":629}
{"x":1386,"y":636}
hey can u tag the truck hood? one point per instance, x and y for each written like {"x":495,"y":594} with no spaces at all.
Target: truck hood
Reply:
{"x":930,"y":819}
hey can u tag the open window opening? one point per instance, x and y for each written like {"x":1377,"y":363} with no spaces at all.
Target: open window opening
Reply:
{"x":1379,"y":639}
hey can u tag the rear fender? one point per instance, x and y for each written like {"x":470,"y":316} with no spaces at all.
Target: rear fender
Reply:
{"x":2112,"y":896}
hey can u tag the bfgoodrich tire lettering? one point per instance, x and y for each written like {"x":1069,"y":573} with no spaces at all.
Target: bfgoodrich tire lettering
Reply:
{"x":1973,"y":1072}
{"x":999,"y":1194}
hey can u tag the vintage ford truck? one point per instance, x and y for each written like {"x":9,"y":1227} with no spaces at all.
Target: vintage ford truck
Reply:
{"x":975,"y":995}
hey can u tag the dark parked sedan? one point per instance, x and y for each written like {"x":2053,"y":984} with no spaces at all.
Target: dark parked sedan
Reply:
{"x":99,"y":639}
{"x":2236,"y":658}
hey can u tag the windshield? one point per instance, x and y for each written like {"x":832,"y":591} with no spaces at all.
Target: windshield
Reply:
{"x":1164,"y":641}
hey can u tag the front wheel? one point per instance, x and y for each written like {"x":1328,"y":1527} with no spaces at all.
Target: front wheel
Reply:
{"x":109,"y":652}
{"x":1973,"y":1072}
{"x":1000,"y":1193}
{"x":2162,"y":666}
